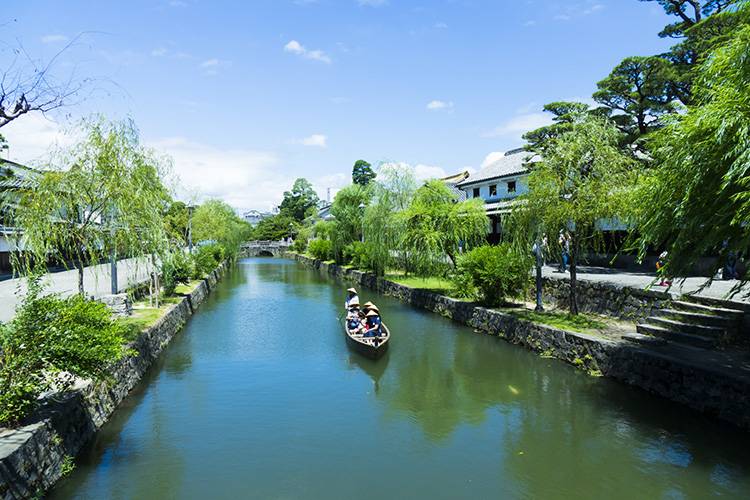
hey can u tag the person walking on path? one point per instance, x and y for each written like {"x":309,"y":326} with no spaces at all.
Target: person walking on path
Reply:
{"x":660,"y":263}
{"x":564,"y":242}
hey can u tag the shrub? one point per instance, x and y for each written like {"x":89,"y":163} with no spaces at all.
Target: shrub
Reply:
{"x":50,"y":335}
{"x":356,"y":254}
{"x":492,"y":274}
{"x":320,"y":249}
{"x":300,"y":241}
{"x":176,"y":268}
{"x":206,"y":258}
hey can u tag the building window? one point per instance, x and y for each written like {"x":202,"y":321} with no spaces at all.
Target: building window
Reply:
{"x":511,"y":186}
{"x":493,"y":190}
{"x":475,"y":193}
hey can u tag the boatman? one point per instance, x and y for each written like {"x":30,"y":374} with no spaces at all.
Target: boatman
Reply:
{"x":372,"y":324}
{"x":351,"y":296}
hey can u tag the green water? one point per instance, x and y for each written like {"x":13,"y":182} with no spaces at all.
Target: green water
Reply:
{"x":259,"y":397}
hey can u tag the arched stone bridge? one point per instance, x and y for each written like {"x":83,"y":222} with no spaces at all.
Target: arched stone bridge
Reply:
{"x":264,"y":248}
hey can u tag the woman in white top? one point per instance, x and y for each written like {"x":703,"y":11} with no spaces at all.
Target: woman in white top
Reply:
{"x":351,"y":296}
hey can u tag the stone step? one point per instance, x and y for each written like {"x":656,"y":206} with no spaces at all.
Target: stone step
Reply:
{"x":703,"y":309}
{"x":679,"y":337}
{"x":716,"y":303}
{"x":684,"y":327}
{"x":694,"y":318}
{"x":639,"y":338}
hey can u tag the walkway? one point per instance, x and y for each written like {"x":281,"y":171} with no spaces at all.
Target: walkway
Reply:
{"x":718,"y":289}
{"x":96,"y":282}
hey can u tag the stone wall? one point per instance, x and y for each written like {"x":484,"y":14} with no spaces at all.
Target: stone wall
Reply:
{"x":609,"y":299}
{"x":32,"y":456}
{"x":720,"y":392}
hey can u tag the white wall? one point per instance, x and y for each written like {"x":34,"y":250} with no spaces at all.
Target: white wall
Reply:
{"x":522,"y":187}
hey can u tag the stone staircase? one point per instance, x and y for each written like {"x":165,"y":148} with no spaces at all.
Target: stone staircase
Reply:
{"x":693,"y":320}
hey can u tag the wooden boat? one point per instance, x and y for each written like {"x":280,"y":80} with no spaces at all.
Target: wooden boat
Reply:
{"x":372,"y":347}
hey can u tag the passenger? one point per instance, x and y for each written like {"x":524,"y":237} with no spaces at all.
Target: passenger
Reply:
{"x":366,"y":306}
{"x":372,"y":325}
{"x":354,"y":316}
{"x":351,"y":296}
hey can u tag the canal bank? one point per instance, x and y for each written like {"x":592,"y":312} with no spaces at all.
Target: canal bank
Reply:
{"x":37,"y":454}
{"x":712,"y":385}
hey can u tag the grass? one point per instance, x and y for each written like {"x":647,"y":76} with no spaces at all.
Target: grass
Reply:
{"x":581,"y":323}
{"x":186,"y":289}
{"x":432,"y":283}
{"x":145,"y":316}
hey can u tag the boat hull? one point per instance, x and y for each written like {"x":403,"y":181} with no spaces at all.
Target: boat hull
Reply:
{"x":364,"y":346}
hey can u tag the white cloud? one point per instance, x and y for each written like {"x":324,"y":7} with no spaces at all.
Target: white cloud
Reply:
{"x":33,"y":137}
{"x":294,"y":47}
{"x":425,"y":172}
{"x":243,"y":178}
{"x":317,"y":140}
{"x":54,"y":38}
{"x":530,"y":22}
{"x":213,"y":65}
{"x":520,"y":124}
{"x":491,"y":158}
{"x":435,"y":105}
{"x":440,"y":26}
{"x":372,"y":3}
{"x":159,"y":52}
{"x":177,"y":3}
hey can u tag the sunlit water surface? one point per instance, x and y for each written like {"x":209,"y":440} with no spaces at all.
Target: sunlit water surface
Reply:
{"x":259,"y":397}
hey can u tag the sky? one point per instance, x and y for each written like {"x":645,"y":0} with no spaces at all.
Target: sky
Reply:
{"x":246,"y":96}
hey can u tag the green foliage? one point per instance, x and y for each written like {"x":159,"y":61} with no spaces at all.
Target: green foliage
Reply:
{"x":274,"y":228}
{"x":348,"y":209}
{"x":206,"y":258}
{"x":362,"y":173}
{"x":689,"y":13}
{"x":177,"y":268}
{"x":216,"y":221}
{"x":300,"y":240}
{"x":176,"y":220}
{"x":320,"y":249}
{"x":564,"y":115}
{"x":47,"y":336}
{"x":356,"y":254}
{"x":300,"y":201}
{"x":641,"y":89}
{"x":584,"y":177}
{"x":492,"y":273}
{"x":106,"y":197}
{"x":698,"y":197}
{"x":435,"y":225}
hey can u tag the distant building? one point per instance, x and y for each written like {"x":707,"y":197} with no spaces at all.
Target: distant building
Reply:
{"x":498,"y":184}
{"x":254,"y":216}
{"x":14,"y":179}
{"x":453,"y":180}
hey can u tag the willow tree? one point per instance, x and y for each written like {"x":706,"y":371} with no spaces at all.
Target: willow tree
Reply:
{"x":582,"y":181}
{"x":106,"y":198}
{"x":216,"y":221}
{"x":697,"y":201}
{"x":436,"y":227}
{"x":383,"y":228}
{"x":348,"y":210}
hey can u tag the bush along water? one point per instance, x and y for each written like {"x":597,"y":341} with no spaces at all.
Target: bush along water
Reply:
{"x":50,"y":339}
{"x":492,"y":274}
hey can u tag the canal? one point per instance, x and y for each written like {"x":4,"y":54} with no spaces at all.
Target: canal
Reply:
{"x":259,"y":397}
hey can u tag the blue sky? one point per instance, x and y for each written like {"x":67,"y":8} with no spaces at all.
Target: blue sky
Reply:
{"x":247,"y":96}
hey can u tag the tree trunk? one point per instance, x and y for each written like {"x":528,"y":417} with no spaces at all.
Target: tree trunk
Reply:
{"x":539,"y":306}
{"x":573,"y":266}
{"x":80,"y":268}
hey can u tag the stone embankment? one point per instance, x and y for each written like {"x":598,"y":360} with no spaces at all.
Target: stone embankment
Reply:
{"x":34,"y":456}
{"x":703,"y":385}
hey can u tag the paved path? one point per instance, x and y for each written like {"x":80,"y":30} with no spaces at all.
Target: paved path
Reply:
{"x":96,"y":282}
{"x":718,"y":289}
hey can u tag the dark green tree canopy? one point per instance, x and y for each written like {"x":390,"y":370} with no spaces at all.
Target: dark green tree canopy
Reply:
{"x":362,"y":173}
{"x":640,"y":89}
{"x":298,"y":202}
{"x":689,"y":13}
{"x":565,"y":114}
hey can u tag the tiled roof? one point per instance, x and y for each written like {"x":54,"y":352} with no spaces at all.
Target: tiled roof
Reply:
{"x":16,"y":176}
{"x":513,"y":163}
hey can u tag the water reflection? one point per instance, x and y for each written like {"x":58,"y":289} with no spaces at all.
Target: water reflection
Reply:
{"x":260,"y":397}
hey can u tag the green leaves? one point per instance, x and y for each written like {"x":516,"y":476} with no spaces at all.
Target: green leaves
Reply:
{"x":298,"y":202}
{"x":492,"y":274}
{"x":362,"y":173}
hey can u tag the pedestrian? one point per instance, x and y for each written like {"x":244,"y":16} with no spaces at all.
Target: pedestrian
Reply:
{"x":545,"y":249}
{"x":660,"y":263}
{"x":564,"y":242}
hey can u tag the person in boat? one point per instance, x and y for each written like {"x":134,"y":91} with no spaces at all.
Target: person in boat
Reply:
{"x":372,"y":323}
{"x":366,"y":307}
{"x":354,"y":316}
{"x":351,"y":296}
